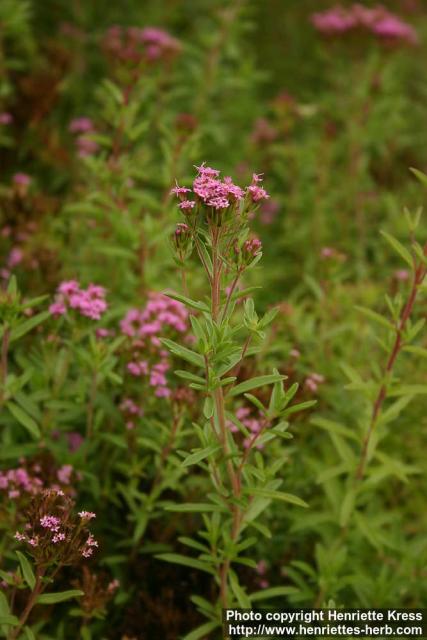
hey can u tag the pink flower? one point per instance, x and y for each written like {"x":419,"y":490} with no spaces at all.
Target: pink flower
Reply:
{"x":50,"y":522}
{"x":113,"y":586}
{"x":87,"y":515}
{"x":21,"y":179}
{"x":69,"y":287}
{"x":58,"y":309}
{"x":186,"y":205}
{"x":180,"y":191}
{"x":15,"y":257}
{"x":402,"y":275}
{"x":392,"y":28}
{"x":20,"y":537}
{"x":91,"y":542}
{"x":58,"y":537}
{"x":81,"y":125}
{"x":257,"y":193}
{"x":6,"y":118}
{"x":64,"y":473}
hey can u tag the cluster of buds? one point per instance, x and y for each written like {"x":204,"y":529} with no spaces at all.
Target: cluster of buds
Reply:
{"x":248,"y":251}
{"x":98,"y":591}
{"x":313,"y":381}
{"x":53,"y":533}
{"x":182,"y":241}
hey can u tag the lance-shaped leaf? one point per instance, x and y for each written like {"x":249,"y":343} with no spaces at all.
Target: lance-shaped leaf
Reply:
{"x":198,"y":456}
{"x":399,"y":248}
{"x":24,"y":419}
{"x":279,"y":495}
{"x":193,"y":304}
{"x":26,"y":569}
{"x":176,"y":558}
{"x":53,"y":598}
{"x":254,"y":383}
{"x":183,"y":352}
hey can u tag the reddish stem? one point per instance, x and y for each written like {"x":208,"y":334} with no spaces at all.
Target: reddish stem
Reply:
{"x":419,"y":275}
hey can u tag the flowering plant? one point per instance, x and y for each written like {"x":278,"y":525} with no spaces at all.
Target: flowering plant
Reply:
{"x":243,"y":485}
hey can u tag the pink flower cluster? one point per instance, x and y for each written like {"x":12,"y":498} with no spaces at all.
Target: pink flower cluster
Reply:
{"x":159,"y":312}
{"x":53,"y":532}
{"x":211,"y":191}
{"x":145,"y":327}
{"x":377,"y":20}
{"x":135,"y":45}
{"x":88,"y":302}
{"x":30,"y":479}
{"x":83,"y":128}
{"x":252,"y":423}
{"x":18,"y":481}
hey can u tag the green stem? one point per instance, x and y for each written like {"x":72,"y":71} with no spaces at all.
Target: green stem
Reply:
{"x":3,"y":362}
{"x":218,"y":396}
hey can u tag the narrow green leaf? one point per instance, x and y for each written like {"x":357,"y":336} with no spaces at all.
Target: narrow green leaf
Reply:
{"x":347,"y":507}
{"x":27,"y":325}
{"x":190,"y":507}
{"x":52,"y":598}
{"x":239,"y":592}
{"x":27,"y":571}
{"x":196,"y":457}
{"x":183,"y":352}
{"x":399,"y":248}
{"x":279,"y":495}
{"x":422,"y":177}
{"x":176,"y":558}
{"x":9,"y":620}
{"x":273,"y":592}
{"x":29,"y":633}
{"x":333,"y":427}
{"x":254,"y":383}
{"x":376,"y":317}
{"x":24,"y":419}
{"x":201,"y":631}
{"x":193,"y":304}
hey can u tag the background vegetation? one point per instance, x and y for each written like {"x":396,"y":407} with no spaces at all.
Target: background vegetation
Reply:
{"x":95,"y":128}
